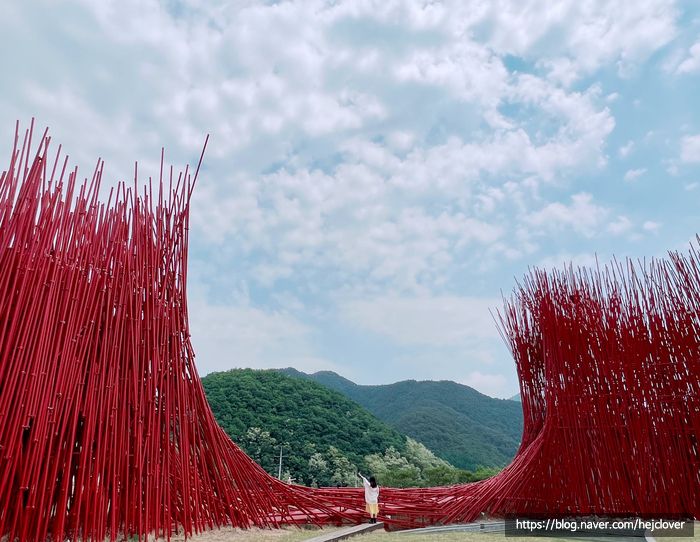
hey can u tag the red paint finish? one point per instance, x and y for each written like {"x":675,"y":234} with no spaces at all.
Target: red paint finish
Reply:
{"x":105,"y":429}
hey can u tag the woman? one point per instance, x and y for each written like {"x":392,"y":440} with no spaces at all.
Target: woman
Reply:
{"x":371,"y":497}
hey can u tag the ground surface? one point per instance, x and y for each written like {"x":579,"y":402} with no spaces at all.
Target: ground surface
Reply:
{"x":228,"y":534}
{"x":298,"y":535}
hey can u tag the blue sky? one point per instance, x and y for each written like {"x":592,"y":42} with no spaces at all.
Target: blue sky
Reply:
{"x":378,"y":171}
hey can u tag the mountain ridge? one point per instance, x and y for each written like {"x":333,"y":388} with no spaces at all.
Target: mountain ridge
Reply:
{"x":458,"y":423}
{"x":270,"y":402}
{"x":323,"y":436}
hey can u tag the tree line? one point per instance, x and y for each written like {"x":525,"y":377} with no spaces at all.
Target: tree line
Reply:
{"x":324,"y":438}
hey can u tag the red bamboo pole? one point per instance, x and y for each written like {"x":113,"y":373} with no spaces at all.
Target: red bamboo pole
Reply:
{"x":105,"y":429}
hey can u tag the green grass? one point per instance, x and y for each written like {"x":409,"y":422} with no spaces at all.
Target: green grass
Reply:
{"x":228,"y":534}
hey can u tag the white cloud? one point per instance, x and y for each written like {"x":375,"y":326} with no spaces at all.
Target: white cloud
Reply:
{"x":368,"y":214}
{"x":470,"y":70}
{"x":488,"y":384}
{"x":588,"y":34}
{"x":651,"y":226}
{"x":424,"y":320}
{"x":356,"y":147}
{"x":229,"y":336}
{"x":582,"y":215}
{"x":77,"y":125}
{"x":354,"y":220}
{"x":266,"y":86}
{"x":584,"y":125}
{"x":620,"y":225}
{"x":401,"y":140}
{"x":691,"y":63}
{"x":261,"y":65}
{"x":562,"y":71}
{"x":280,"y":97}
{"x":691,"y":186}
{"x":632,"y":175}
{"x":690,"y":149}
{"x":626,"y":149}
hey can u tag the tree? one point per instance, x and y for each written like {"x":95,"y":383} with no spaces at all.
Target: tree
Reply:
{"x":481,"y":472}
{"x":393,"y":470}
{"x":318,"y":469}
{"x":344,"y":472}
{"x":287,"y":477}
{"x":422,"y":457}
{"x":261,"y":447}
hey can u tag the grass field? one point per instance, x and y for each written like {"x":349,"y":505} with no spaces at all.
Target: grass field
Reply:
{"x":299,"y":535}
{"x":227,"y":534}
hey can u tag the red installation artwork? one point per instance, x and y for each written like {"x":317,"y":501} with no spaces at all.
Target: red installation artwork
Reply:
{"x":105,"y":430}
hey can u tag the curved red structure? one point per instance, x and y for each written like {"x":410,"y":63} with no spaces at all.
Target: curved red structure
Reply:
{"x":105,"y":429}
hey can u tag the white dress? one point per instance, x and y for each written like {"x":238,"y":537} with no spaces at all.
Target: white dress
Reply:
{"x":371,"y":493}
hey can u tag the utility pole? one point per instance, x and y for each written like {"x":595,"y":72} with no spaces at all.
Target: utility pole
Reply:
{"x":279,"y":472}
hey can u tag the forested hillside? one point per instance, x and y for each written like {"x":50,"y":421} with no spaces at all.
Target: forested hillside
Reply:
{"x":325,"y":437}
{"x":460,"y":425}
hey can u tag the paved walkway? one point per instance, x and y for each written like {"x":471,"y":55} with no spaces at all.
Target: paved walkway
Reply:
{"x":347,"y":532}
{"x":483,"y":527}
{"x":499,"y":527}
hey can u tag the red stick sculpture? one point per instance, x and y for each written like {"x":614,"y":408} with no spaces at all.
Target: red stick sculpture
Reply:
{"x":105,"y":429}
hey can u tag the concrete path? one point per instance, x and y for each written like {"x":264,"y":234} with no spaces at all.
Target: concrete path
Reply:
{"x":347,"y":532}
{"x":483,"y":527}
{"x":499,"y":527}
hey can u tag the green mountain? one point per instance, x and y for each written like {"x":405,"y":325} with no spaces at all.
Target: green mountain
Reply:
{"x":460,"y":425}
{"x":324,"y":436}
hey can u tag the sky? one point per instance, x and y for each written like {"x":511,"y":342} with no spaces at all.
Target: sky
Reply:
{"x":379,"y":173}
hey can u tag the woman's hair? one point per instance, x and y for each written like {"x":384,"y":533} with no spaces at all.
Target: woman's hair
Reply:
{"x":372,"y":481}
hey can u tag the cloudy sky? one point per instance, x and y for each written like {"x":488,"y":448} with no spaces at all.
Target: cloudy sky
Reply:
{"x":378,"y":171}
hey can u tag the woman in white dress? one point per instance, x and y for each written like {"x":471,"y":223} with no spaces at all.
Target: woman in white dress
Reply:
{"x":371,"y":497}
